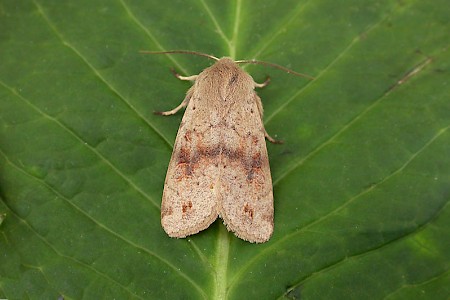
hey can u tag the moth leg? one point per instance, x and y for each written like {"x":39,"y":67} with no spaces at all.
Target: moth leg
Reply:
{"x":265,"y":83}
{"x":189,"y":78}
{"x":184,"y":103}
{"x":271,"y":139}
{"x":260,"y":109}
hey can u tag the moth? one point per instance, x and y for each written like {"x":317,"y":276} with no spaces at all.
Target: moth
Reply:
{"x":219,"y":165}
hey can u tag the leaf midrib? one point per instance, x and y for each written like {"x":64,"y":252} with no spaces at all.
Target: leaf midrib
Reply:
{"x":222,"y":250}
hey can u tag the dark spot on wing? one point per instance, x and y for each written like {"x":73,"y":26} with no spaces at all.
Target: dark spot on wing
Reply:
{"x":248,"y":211}
{"x":166,"y":211}
{"x":233,"y":79}
{"x":186,"y":207}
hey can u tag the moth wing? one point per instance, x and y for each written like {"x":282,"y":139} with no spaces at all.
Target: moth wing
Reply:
{"x":246,"y":204}
{"x":189,"y":202}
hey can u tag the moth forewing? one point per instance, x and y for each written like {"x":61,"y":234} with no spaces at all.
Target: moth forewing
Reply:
{"x":188,"y":204}
{"x":246,"y":204}
{"x":219,"y":164}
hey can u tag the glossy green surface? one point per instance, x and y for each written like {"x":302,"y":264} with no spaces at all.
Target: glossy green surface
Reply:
{"x":361,"y":184}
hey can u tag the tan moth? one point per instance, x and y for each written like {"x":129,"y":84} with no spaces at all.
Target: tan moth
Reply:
{"x":219,"y":165}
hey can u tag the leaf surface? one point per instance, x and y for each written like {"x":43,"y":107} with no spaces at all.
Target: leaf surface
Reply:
{"x":361,"y":184}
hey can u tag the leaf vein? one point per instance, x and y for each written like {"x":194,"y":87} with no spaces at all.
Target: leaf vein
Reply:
{"x":57,"y":252}
{"x":336,"y":264}
{"x":337,"y":209}
{"x":344,"y":128}
{"x":216,"y":24}
{"x":326,"y":69}
{"x":104,"y":227}
{"x":281,"y":27}
{"x":83,"y":143}
{"x":150,"y":35}
{"x":233,"y":42}
{"x":98,"y":74}
{"x":429,"y":280}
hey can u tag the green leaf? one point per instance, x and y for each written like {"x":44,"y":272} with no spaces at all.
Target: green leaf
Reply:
{"x":2,"y":218}
{"x":361,"y":184}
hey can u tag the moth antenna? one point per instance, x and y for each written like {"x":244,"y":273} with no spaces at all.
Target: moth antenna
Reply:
{"x":258,"y":62}
{"x":180,"y":51}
